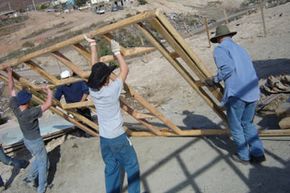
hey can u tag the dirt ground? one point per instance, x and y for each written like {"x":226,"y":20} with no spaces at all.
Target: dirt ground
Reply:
{"x":188,"y":164}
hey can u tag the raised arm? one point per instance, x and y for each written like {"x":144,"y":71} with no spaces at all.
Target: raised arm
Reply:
{"x":93,"y":45}
{"x":11,"y":89}
{"x":48,"y":100}
{"x":124,"y":70}
{"x":85,"y":91}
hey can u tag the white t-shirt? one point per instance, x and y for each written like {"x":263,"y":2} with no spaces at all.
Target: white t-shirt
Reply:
{"x":107,"y":104}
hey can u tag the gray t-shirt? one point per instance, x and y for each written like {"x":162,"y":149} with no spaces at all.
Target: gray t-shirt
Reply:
{"x":108,"y":109}
{"x":27,"y":119}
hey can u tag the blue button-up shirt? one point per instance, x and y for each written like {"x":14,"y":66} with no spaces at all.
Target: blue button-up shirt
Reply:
{"x":72,"y":92}
{"x":236,"y":69}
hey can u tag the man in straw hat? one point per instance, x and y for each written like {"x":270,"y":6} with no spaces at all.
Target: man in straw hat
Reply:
{"x":241,"y":94}
{"x":116,"y":148}
{"x":27,"y":117}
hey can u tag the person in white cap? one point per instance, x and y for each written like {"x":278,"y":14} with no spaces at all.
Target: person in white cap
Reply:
{"x":74,"y":92}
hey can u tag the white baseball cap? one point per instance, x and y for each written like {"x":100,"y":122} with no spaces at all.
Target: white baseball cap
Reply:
{"x":65,"y":74}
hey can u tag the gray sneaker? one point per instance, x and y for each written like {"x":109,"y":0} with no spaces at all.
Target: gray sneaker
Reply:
{"x":236,"y":158}
{"x":29,"y":183}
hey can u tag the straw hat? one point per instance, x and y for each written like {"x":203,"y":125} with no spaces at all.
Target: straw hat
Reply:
{"x":221,"y":31}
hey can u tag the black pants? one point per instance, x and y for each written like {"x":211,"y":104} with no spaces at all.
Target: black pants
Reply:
{"x":86,"y":112}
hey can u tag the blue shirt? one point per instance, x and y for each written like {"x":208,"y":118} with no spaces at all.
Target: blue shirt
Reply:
{"x":107,"y":103}
{"x":236,"y":69}
{"x":73,"y":92}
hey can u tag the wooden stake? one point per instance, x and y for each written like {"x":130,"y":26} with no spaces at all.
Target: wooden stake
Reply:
{"x":207,"y":31}
{"x":226,"y":16}
{"x":263,"y":18}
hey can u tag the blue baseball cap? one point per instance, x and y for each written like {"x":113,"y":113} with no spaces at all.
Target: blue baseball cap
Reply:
{"x":23,"y":97}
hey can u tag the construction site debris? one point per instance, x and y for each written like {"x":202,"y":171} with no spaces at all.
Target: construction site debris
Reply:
{"x":276,"y":85}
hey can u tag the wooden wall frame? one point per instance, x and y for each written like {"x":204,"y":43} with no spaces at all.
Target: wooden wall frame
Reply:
{"x":144,"y":22}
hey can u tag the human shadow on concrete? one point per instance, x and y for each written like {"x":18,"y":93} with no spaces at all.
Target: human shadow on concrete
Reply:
{"x":54,"y":157}
{"x":20,"y":154}
{"x":269,"y":121}
{"x":23,"y":153}
{"x":201,"y":121}
{"x":14,"y":173}
{"x":193,"y":120}
{"x":266,"y":68}
{"x":269,"y":179}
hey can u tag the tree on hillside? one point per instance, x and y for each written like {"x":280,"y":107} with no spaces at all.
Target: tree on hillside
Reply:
{"x":80,"y":2}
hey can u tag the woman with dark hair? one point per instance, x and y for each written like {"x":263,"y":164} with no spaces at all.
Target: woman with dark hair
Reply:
{"x":116,"y":148}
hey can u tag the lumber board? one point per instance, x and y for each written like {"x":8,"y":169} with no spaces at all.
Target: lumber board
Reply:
{"x":38,"y":100}
{"x":182,"y":71}
{"x":197,"y":62}
{"x":68,"y":81}
{"x":36,"y":68}
{"x":132,"y":112}
{"x":77,"y":39}
{"x":82,"y":51}
{"x":136,"y":114}
{"x":124,"y":106}
{"x":77,"y":105}
{"x":128,"y":52}
{"x":17,"y":146}
{"x":180,"y":51}
{"x":209,"y":132}
{"x":67,"y":62}
{"x":85,"y":120}
{"x":109,"y":37}
{"x":160,"y":16}
{"x":179,"y":47}
{"x":153,"y":110}
{"x":147,"y":106}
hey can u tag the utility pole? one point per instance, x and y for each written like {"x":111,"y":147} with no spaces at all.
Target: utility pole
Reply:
{"x":9,"y":5}
{"x":33,"y":3}
{"x":263,"y":18}
{"x":207,"y":31}
{"x":226,"y":15}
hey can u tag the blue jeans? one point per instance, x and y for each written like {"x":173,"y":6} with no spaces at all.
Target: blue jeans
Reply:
{"x":39,"y":165}
{"x":1,"y":182}
{"x":240,"y":115}
{"x":5,"y":159}
{"x":119,"y":152}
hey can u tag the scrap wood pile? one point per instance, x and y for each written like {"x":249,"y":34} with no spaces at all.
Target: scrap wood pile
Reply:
{"x":276,"y":85}
{"x":276,"y":98}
